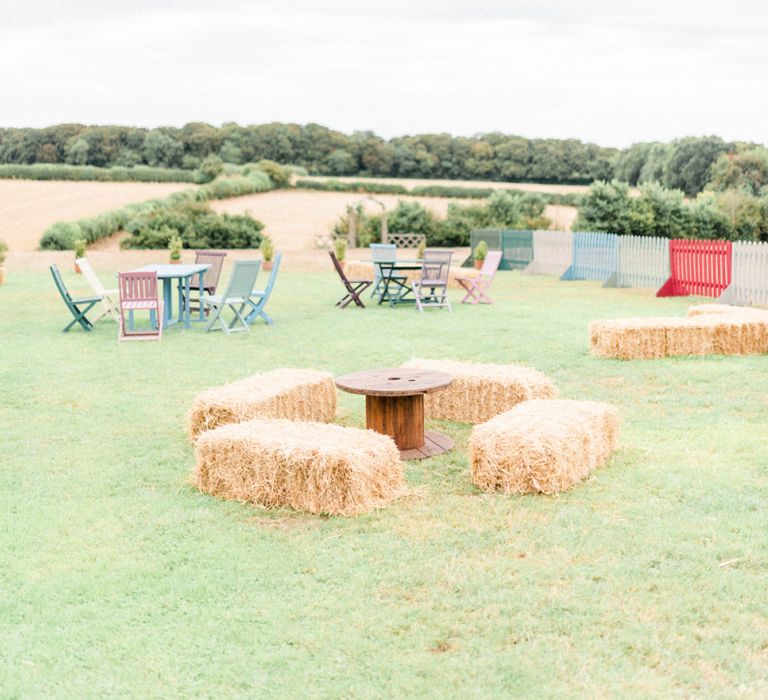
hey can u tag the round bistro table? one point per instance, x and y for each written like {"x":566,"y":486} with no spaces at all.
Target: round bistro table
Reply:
{"x":394,"y":406}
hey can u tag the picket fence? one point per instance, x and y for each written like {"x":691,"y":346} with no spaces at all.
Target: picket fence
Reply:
{"x":701,"y":268}
{"x":595,"y":256}
{"x":643,"y":262}
{"x":516,"y":246}
{"x":552,"y":253}
{"x":749,"y":275}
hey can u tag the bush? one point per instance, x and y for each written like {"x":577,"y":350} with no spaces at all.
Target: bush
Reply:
{"x":196,"y":225}
{"x":60,"y":236}
{"x":364,"y":187}
{"x":280,"y":176}
{"x":3,"y":251}
{"x":266,"y":248}
{"x":117,"y":173}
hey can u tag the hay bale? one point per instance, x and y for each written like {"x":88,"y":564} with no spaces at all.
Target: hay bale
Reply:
{"x":480,"y":391}
{"x":363,"y":270}
{"x":311,"y":467}
{"x":733,"y":332}
{"x":726,"y":309}
{"x":631,"y":338}
{"x":542,"y":446}
{"x":296,"y":394}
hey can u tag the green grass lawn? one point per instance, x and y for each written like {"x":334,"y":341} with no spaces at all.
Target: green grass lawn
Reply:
{"x":117,"y":578}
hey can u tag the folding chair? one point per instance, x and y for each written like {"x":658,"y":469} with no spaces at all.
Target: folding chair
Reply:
{"x":211,"y":277}
{"x":477,"y":287}
{"x":237,"y":294}
{"x":139,"y":292}
{"x":354,"y":287}
{"x":109,"y":297}
{"x":74,"y":304}
{"x":383,"y":252}
{"x":262,"y":295}
{"x":431,"y":289}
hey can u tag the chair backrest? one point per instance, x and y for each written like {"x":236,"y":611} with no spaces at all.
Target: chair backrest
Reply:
{"x":215,"y":259}
{"x":137,"y":286}
{"x":243,"y":278}
{"x":382,"y":252}
{"x":436,"y":265}
{"x":272,"y":277}
{"x":338,"y":267}
{"x":90,"y":276}
{"x":491,"y":263}
{"x":65,"y":295}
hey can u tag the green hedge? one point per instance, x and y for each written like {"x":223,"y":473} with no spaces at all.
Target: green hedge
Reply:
{"x":338,"y":186}
{"x":117,"y":173}
{"x":62,"y":236}
{"x":571,"y":199}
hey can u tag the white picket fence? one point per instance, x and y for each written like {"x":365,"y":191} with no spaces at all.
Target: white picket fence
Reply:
{"x":643,"y":262}
{"x":749,"y":276}
{"x":552,"y":253}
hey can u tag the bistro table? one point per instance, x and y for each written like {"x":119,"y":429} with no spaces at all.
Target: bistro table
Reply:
{"x":183,"y":273}
{"x":398,"y":294}
{"x":394,"y":406}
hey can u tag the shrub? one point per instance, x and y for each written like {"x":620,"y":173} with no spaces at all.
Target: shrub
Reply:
{"x":364,"y":187}
{"x":80,"y":248}
{"x":280,"y":176}
{"x":117,"y":173}
{"x":196,"y":224}
{"x":340,"y":248}
{"x":481,"y":251}
{"x":60,"y":236}
{"x":175,"y":244}
{"x":3,"y":251}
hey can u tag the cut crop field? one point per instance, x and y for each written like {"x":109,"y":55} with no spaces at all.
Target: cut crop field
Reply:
{"x":119,"y":579}
{"x":29,"y":207}
{"x":293,"y":218}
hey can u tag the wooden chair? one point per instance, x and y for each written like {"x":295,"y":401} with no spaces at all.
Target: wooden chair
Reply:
{"x":354,"y":287}
{"x":431,"y":289}
{"x":139,"y":292}
{"x":74,"y":305}
{"x":477,"y":287}
{"x":237,"y":297}
{"x":262,"y":295}
{"x":383,"y":252}
{"x":211,"y":277}
{"x":109,"y":297}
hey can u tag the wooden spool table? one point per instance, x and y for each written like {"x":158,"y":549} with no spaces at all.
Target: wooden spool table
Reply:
{"x":394,"y":406}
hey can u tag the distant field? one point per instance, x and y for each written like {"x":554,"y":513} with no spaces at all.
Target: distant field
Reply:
{"x":408,"y":182}
{"x":29,"y":207}
{"x":293,"y":218}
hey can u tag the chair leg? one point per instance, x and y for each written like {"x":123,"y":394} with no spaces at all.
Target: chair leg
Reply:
{"x":215,"y":316}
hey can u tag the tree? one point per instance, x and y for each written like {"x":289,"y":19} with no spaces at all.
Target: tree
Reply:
{"x":689,"y":166}
{"x":746,"y":171}
{"x":161,"y":150}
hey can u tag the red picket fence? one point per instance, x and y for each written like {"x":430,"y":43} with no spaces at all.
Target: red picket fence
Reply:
{"x":700,"y":268}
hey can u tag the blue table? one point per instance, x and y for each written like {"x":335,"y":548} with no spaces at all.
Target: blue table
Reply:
{"x":183,"y":273}
{"x":395,"y":291}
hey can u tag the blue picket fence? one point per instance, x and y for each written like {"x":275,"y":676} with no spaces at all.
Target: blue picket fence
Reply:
{"x":595,"y":256}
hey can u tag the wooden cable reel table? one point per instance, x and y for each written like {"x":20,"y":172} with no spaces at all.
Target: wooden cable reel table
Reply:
{"x":394,"y":406}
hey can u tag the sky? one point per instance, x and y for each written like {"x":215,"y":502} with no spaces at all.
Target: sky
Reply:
{"x":612,"y":73}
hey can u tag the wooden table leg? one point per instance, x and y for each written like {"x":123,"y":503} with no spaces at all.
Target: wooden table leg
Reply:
{"x":400,"y":417}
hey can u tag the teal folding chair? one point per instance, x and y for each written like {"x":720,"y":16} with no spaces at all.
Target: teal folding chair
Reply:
{"x":74,"y":305}
{"x":237,"y":297}
{"x":261,"y":296}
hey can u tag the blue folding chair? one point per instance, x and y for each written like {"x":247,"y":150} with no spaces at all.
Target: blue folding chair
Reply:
{"x":261,"y":296}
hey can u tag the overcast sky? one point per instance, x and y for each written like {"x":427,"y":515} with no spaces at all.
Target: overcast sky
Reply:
{"x":611,"y":72}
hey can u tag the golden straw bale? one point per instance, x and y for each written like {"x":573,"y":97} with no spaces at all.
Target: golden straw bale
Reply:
{"x":480,"y":391}
{"x":296,"y":394}
{"x":726,"y":309}
{"x":631,"y":338}
{"x":692,"y":336}
{"x":311,"y":467}
{"x":363,"y":270}
{"x":741,"y":335}
{"x":542,"y":446}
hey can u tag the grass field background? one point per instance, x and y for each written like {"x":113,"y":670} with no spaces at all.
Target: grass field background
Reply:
{"x":119,"y":579}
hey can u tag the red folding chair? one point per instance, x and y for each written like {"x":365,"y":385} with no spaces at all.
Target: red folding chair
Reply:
{"x":139,"y":292}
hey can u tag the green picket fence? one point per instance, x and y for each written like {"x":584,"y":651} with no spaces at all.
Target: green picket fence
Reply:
{"x":516,"y":246}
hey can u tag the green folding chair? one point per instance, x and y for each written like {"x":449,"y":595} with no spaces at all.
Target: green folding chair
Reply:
{"x":237,"y":297}
{"x":74,"y":305}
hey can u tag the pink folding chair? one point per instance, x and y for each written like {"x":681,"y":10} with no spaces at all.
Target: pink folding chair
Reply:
{"x":477,"y":287}
{"x":138,"y":292}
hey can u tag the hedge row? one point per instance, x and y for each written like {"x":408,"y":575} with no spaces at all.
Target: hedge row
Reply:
{"x":117,"y":173}
{"x":62,"y":236}
{"x":571,"y":199}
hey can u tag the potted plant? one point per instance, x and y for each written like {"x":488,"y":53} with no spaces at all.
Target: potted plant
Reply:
{"x":481,"y":251}
{"x":267,"y":252}
{"x":3,"y":251}
{"x":79,"y":252}
{"x":340,"y":248}
{"x":174,"y":246}
{"x":420,"y":250}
